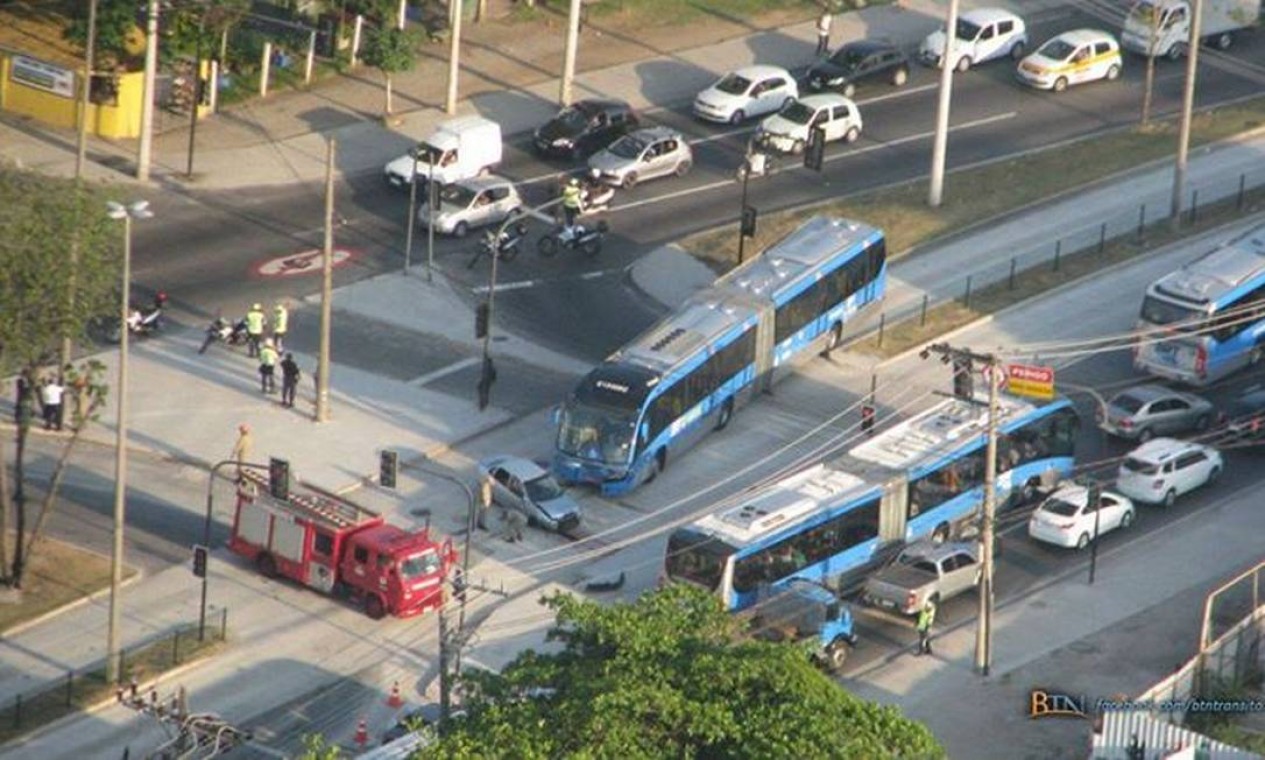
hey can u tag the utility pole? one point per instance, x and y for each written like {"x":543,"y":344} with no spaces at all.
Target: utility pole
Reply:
{"x":568,"y":59}
{"x":1150,"y":66}
{"x":85,"y":92}
{"x":963,"y":361}
{"x":327,"y":291}
{"x":940,"y":143}
{"x":411,"y":220}
{"x":197,"y":93}
{"x":431,"y":202}
{"x":145,"y":147}
{"x":1188,"y":107}
{"x":454,"y":55}
{"x":450,"y":645}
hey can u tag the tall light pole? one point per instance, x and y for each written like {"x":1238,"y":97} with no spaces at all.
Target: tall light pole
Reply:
{"x":568,"y":58}
{"x":940,"y":144}
{"x":454,"y":55}
{"x":138,"y":210}
{"x":1188,"y":106}
{"x":85,"y":92}
{"x":145,"y":146}
{"x":327,"y":291}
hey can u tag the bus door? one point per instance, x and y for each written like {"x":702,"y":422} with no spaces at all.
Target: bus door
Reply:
{"x":764,"y":347}
{"x":893,"y":513}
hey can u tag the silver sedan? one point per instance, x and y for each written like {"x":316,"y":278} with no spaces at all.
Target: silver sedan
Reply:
{"x":644,"y":154}
{"x":1145,"y":411}
{"x":522,"y":485}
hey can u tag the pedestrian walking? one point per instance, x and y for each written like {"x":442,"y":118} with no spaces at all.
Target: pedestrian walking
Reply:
{"x":51,"y":397}
{"x":289,"y":380}
{"x":241,"y":448}
{"x":268,"y":367}
{"x":926,"y":619}
{"x":280,"y":323}
{"x":485,"y":501}
{"x":513,"y":522}
{"x":823,"y":32}
{"x":255,"y":320}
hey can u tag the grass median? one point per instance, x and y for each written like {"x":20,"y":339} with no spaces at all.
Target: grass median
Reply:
{"x":977,"y":194}
{"x":57,"y":574}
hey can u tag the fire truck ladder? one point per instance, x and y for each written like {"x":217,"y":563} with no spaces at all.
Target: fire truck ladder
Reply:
{"x":337,"y":512}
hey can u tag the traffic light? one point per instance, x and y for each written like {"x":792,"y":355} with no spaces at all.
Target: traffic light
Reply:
{"x":748,"y":221}
{"x":963,"y":382}
{"x":815,"y":151}
{"x":388,"y":468}
{"x":486,"y":378}
{"x":279,"y":478}
{"x":481,"y":314}
{"x":199,"y":560}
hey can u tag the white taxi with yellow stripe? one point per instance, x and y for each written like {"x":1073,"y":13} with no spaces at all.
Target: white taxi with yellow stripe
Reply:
{"x":1072,"y":57}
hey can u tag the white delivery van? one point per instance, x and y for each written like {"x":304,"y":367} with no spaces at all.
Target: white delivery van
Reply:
{"x":1170,"y":20}
{"x":458,"y":149}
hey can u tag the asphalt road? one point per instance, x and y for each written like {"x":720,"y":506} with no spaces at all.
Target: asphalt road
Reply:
{"x":204,"y":248}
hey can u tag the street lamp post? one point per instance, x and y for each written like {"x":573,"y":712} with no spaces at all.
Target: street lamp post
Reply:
{"x":138,"y":210}
{"x":412,"y":215}
{"x":206,"y":530}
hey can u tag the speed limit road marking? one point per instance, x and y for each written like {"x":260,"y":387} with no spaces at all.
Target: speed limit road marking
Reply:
{"x":304,"y":262}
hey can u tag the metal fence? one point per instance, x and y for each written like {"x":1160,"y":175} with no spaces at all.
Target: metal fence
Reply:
{"x":79,"y":689}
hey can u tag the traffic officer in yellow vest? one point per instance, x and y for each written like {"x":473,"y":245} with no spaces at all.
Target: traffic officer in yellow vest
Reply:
{"x":268,"y":367}
{"x":280,"y":323}
{"x":254,"y":329}
{"x":926,"y":619}
{"x":572,"y":199}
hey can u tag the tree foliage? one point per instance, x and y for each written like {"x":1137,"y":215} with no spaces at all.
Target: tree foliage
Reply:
{"x":667,"y":677}
{"x":116,"y":20}
{"x":391,"y":51}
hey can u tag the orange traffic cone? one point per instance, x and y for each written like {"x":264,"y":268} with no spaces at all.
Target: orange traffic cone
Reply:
{"x":395,"y":700}
{"x":362,"y":733}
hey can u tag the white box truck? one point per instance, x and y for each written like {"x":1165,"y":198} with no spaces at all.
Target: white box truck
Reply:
{"x":458,"y":149}
{"x":1170,"y":21}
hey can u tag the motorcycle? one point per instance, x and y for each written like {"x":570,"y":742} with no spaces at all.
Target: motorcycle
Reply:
{"x":223,"y":331}
{"x":595,"y":195}
{"x":506,"y":244}
{"x":142,"y":321}
{"x":577,"y":237}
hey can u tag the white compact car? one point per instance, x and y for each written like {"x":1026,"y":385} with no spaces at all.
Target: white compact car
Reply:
{"x":1067,"y":519}
{"x":1083,"y":55}
{"x":983,"y":34}
{"x":1160,"y":470}
{"x":788,"y":130}
{"x":471,"y":203}
{"x":750,"y":91}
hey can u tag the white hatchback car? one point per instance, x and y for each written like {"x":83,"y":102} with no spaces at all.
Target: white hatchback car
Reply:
{"x":1067,"y":519}
{"x":750,"y":91}
{"x":983,"y":34}
{"x":788,"y":130}
{"x":1160,"y":470}
{"x":1082,"y":55}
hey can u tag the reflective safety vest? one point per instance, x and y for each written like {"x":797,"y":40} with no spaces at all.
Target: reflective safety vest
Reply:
{"x":255,"y":322}
{"x":926,"y":617}
{"x":268,"y":356}
{"x":571,"y":196}
{"x":280,"y":319}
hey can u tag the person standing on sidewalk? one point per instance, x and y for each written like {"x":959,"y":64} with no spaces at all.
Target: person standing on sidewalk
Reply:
{"x":289,"y":380}
{"x":268,"y":367}
{"x":280,"y":323}
{"x":241,"y":449}
{"x":926,"y":619}
{"x":51,"y":397}
{"x":485,"y":501}
{"x":823,"y":32}
{"x":254,"y":329}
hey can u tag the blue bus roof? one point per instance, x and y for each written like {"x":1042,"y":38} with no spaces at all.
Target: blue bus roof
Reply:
{"x":761,"y":513}
{"x":784,"y":263}
{"x":1237,"y":264}
{"x":704,"y":318}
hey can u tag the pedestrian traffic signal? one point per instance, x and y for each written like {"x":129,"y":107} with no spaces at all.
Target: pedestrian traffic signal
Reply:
{"x":963,"y":382}
{"x":279,"y":478}
{"x":481,"y":314}
{"x":388,"y":467}
{"x":815,"y":151}
{"x":486,"y":378}
{"x":748,"y":221}
{"x":199,"y":561}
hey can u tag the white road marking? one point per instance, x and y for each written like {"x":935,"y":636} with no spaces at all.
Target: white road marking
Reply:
{"x":431,"y":377}
{"x":828,"y":159}
{"x":503,"y":286}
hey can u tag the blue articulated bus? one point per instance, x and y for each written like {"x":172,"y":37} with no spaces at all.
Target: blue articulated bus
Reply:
{"x":685,"y":376}
{"x":835,"y":522}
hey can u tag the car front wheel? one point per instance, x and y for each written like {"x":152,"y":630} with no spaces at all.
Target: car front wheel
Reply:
{"x":1170,"y":498}
{"x":1113,"y":73}
{"x":738,"y":117}
{"x":1127,"y":519}
{"x":900,"y":77}
{"x":964,"y":64}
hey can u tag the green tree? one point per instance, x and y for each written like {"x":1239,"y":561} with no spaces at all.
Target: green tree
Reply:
{"x":116,"y":19}
{"x":47,"y":296}
{"x":668,"y":676}
{"x":390,"y":51}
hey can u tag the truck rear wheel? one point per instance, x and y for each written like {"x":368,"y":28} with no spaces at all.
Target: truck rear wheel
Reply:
{"x":266,"y":565}
{"x":837,"y":655}
{"x":374,"y":607}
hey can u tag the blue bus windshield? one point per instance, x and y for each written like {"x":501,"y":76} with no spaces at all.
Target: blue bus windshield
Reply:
{"x":597,"y":432}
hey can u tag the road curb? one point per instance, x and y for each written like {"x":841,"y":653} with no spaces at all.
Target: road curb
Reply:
{"x":26,"y":625}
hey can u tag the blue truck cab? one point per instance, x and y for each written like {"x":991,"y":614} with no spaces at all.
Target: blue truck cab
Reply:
{"x":810,"y":615}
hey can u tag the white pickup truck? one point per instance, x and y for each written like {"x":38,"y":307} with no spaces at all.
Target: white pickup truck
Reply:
{"x":925,"y":572}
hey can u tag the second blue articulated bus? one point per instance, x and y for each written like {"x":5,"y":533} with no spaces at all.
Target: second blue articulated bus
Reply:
{"x":836,"y":522}
{"x":685,"y":376}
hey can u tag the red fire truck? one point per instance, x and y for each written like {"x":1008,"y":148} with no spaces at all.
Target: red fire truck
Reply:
{"x":332,"y":545}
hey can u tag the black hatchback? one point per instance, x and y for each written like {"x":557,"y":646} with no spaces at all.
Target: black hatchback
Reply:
{"x":584,"y":128}
{"x":857,"y":63}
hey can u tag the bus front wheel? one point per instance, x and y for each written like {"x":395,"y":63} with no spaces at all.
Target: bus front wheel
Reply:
{"x":836,"y":337}
{"x":660,"y":463}
{"x":726,"y":414}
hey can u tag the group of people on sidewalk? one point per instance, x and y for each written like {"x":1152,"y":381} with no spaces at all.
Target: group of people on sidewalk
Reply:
{"x":268,"y":351}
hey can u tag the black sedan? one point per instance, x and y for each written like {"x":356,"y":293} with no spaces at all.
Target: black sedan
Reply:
{"x":857,"y":63}
{"x":584,"y":128}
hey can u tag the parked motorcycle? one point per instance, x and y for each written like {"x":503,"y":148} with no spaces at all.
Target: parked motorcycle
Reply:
{"x":223,"y":331}
{"x":142,"y":321}
{"x":595,"y":195}
{"x":506,"y":244}
{"x":577,"y":237}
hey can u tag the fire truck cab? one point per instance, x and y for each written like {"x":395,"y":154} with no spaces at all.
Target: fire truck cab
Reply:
{"x":336,"y":547}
